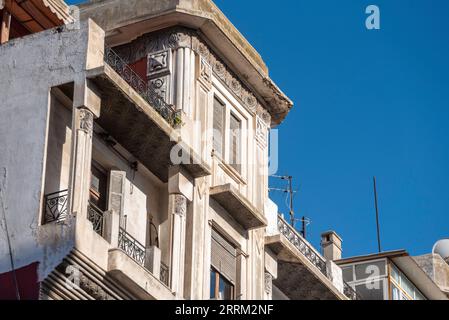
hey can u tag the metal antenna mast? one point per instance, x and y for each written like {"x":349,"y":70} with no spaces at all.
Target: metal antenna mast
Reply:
{"x":377,"y":215}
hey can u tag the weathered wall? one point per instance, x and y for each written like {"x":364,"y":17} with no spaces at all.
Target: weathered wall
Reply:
{"x":30,"y":66}
{"x":59,"y":146}
{"x":145,"y":195}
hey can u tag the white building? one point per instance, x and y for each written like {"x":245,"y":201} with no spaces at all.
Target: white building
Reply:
{"x":134,"y":162}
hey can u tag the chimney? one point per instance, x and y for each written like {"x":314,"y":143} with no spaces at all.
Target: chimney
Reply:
{"x":331,"y":245}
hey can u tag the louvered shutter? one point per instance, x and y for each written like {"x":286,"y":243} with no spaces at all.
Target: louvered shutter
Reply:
{"x":224,"y":257}
{"x":235,"y":128}
{"x":116,"y":194}
{"x":218,"y":123}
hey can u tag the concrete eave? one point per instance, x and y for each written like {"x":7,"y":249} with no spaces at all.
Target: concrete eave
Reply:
{"x":419,"y":278}
{"x":286,"y":251}
{"x":238,"y":206}
{"x":125,"y":21}
{"x":140,"y":114}
{"x":136,"y":278}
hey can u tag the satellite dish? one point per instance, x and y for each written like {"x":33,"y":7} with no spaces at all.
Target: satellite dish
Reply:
{"x":441,"y":247}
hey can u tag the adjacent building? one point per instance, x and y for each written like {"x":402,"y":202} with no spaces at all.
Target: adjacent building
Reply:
{"x":390,"y":275}
{"x":134,"y":160}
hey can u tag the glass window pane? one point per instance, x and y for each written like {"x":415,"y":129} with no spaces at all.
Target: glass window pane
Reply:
{"x":395,"y":273}
{"x":407,"y":286}
{"x":226,"y":289}
{"x":371,"y":269}
{"x":348,"y":274}
{"x":371,"y":291}
{"x":213,"y":283}
{"x":396,"y":294}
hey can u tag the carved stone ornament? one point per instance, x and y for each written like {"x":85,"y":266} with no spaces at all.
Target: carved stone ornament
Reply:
{"x":268,"y":283}
{"x":180,"y":205}
{"x":179,"y":37}
{"x":86,"y":120}
{"x":159,"y":62}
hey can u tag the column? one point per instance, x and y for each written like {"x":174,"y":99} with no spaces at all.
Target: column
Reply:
{"x":180,"y":189}
{"x":178,"y":208}
{"x":86,"y":109}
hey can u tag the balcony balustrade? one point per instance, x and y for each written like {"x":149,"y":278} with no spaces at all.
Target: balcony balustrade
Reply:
{"x":350,"y":292}
{"x":311,"y":254}
{"x":304,"y":247}
{"x":165,"y":274}
{"x":147,"y":92}
{"x":96,"y":216}
{"x":56,"y":206}
{"x":133,"y":248}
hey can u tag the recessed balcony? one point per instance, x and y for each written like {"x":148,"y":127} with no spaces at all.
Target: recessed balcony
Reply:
{"x":139,"y":119}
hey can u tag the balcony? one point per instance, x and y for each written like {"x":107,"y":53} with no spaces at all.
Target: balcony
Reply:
{"x":238,"y":206}
{"x":55,"y":209}
{"x":139,"y":119}
{"x":302,"y":271}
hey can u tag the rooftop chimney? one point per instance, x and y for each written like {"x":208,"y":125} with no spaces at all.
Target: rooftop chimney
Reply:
{"x":331,"y":245}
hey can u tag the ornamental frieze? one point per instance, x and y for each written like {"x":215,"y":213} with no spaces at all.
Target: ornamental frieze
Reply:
{"x":178,"y":37}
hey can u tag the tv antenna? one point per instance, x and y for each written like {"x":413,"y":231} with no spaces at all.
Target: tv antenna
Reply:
{"x":377,"y":215}
{"x":289,"y":190}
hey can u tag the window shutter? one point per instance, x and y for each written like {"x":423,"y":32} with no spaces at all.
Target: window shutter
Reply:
{"x":116,"y":193}
{"x":218,"y":122}
{"x":224,"y":257}
{"x":235,"y":128}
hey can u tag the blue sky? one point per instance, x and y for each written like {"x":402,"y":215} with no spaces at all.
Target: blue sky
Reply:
{"x":367,"y":103}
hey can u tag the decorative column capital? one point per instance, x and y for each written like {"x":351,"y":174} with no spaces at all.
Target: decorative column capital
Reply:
{"x":180,"y":205}
{"x":86,"y":118}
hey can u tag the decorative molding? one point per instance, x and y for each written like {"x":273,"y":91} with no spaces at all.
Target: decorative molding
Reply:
{"x":161,"y":86}
{"x":268,"y":283}
{"x":86,"y":120}
{"x":159,"y":62}
{"x":205,"y":73}
{"x":180,"y":205}
{"x":179,"y":37}
{"x":261,"y":131}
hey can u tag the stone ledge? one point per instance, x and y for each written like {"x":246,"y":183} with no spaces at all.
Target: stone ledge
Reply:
{"x":238,"y":206}
{"x":136,"y":278}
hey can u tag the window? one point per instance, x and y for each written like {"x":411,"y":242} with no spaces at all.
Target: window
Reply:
{"x":372,"y":291}
{"x":223,"y":267}
{"x":348,"y":274}
{"x":371,"y":269}
{"x":218,"y":123}
{"x":220,"y":288}
{"x":98,"y":186}
{"x":402,"y":287}
{"x":235,"y":126}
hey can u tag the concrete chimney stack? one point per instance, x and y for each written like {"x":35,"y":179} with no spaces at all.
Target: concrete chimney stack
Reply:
{"x":331,"y":245}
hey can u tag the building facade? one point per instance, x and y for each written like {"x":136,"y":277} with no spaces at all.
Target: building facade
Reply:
{"x":134,"y":163}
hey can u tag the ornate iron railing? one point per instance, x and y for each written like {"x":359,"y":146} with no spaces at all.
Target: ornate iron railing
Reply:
{"x":56,"y":206}
{"x":304,"y":247}
{"x":167,"y":111}
{"x":133,"y":248}
{"x":164,"y":275}
{"x":350,"y":292}
{"x":96,"y":216}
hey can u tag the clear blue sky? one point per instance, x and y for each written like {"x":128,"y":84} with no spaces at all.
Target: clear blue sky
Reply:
{"x":367,"y":103}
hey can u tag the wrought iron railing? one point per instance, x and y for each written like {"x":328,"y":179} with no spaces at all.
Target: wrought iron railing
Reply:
{"x":133,"y":248}
{"x":165,"y":274}
{"x":96,"y":216}
{"x":167,"y":111}
{"x":304,"y":247}
{"x":350,"y":292}
{"x":56,"y":206}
